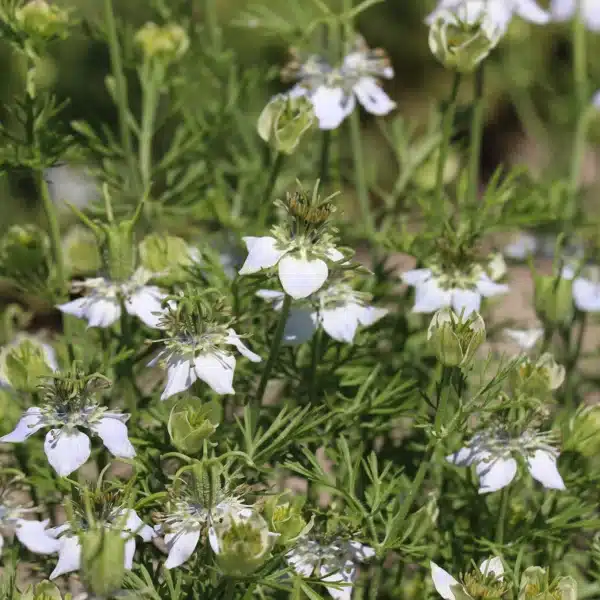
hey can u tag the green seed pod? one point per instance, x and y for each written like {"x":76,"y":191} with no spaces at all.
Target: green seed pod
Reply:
{"x":553,"y":300}
{"x":40,"y":19}
{"x":164,"y":253}
{"x":190,"y":423}
{"x":81,"y":251}
{"x":537,"y":378}
{"x":535,"y":585}
{"x":165,"y":44}
{"x":24,"y":252}
{"x":283,"y":513}
{"x":102,"y":560}
{"x":45,"y":590}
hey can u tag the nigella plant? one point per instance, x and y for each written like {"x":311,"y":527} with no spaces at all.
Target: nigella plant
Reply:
{"x":69,"y":405}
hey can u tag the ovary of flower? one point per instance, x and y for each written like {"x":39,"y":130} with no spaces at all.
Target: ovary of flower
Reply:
{"x":496,"y":467}
{"x":32,"y":534}
{"x":69,"y":550}
{"x":65,"y":446}
{"x":340,"y":320}
{"x":500,"y":12}
{"x":432,"y":293}
{"x":526,"y":339}
{"x":562,"y":10}
{"x":101,"y":307}
{"x":446,"y":585}
{"x":211,"y":362}
{"x":300,"y":274}
{"x":335,"y":563}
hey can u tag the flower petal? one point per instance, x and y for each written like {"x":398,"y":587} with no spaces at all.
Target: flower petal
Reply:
{"x":368,"y":315}
{"x":542,"y":466}
{"x":591,"y":15}
{"x":113,"y":432}
{"x":234,"y":339}
{"x":487,"y":287}
{"x":332,"y":105}
{"x":372,"y":97}
{"x":361,"y":552}
{"x":562,"y":10}
{"x":525,"y":339}
{"x":101,"y":311}
{"x":586,"y":295}
{"x":263,"y":253}
{"x":495,"y":473}
{"x":416,"y":276}
{"x":180,"y":376}
{"x":35,"y":537}
{"x":216,"y":370}
{"x":530,"y":11}
{"x":299,"y":327}
{"x":343,"y":573}
{"x":492,"y":566}
{"x":145,"y":304}
{"x":181,"y":546}
{"x":28,"y":424}
{"x":465,"y":457}
{"x":129,"y":550}
{"x":66,"y":449}
{"x":465,"y":302}
{"x":303,"y":563}
{"x":301,"y":277}
{"x":443,"y":582}
{"x":341,"y":322}
{"x":69,"y":556}
{"x":334,"y":255}
{"x":135,"y":525}
{"x":273,"y":296}
{"x":429,"y":297}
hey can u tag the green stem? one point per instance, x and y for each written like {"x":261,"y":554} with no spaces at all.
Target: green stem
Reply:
{"x":229,"y":589}
{"x":502,"y":516}
{"x":324,"y":162}
{"x":314,"y":365}
{"x":447,"y":127}
{"x":476,"y":136}
{"x":359,"y":174}
{"x":443,"y":392}
{"x":273,"y":175}
{"x":580,"y":74}
{"x":150,"y":80}
{"x":274,"y":352}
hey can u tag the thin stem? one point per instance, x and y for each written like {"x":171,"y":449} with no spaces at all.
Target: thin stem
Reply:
{"x":359,"y":173}
{"x":443,"y":392}
{"x":314,"y":365}
{"x":578,"y":152}
{"x":151,"y":77}
{"x":447,"y":126}
{"x":502,"y":516}
{"x":580,"y":74}
{"x":476,"y":135}
{"x":324,"y":162}
{"x":273,"y":175}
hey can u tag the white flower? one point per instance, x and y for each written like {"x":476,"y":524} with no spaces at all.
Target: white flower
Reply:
{"x":101,"y":306}
{"x":333,"y":91}
{"x":526,"y":339}
{"x":302,"y":267}
{"x":493,"y":453}
{"x":126,"y":521}
{"x":334,"y":563}
{"x":66,"y":447}
{"x":500,"y":12}
{"x":446,"y":586}
{"x":435,"y":290}
{"x":48,"y":353}
{"x":206,"y":356}
{"x":521,"y":246}
{"x":586,"y":290}
{"x":565,"y":9}
{"x":596,"y":99}
{"x":32,"y":534}
{"x":336,"y":307}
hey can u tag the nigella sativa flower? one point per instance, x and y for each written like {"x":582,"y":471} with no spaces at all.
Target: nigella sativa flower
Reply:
{"x":493,"y":453}
{"x":333,"y":90}
{"x":332,"y":563}
{"x":125,"y":520}
{"x":488,"y":579}
{"x":34,"y":535}
{"x":102,"y":304}
{"x":337,"y":308}
{"x":566,"y":9}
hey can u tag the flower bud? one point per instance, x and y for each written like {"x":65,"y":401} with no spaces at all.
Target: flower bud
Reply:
{"x":25,"y":362}
{"x":554,"y":300}
{"x":102,"y":560}
{"x":462,"y":37}
{"x":81,"y":251}
{"x":426,"y":174}
{"x":535,"y":585}
{"x":453,"y":339}
{"x":539,"y":378}
{"x":164,"y":253}
{"x":284,"y":516}
{"x":241,"y":541}
{"x":166,"y":44}
{"x":24,"y":252}
{"x":284,"y":120}
{"x":40,"y":19}
{"x":190,"y":423}
{"x":45,"y":590}
{"x":584,"y":432}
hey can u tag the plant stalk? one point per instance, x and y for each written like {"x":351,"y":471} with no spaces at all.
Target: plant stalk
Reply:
{"x":476,"y":136}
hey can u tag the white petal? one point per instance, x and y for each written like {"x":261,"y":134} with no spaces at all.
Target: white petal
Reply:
{"x":369,"y":315}
{"x":263,"y":253}
{"x":234,"y":339}
{"x":213,"y":540}
{"x":542,"y":466}
{"x":372,"y":97}
{"x":331,"y":105}
{"x":591,"y":14}
{"x":486,"y":287}
{"x":181,"y":547}
{"x":129,"y":550}
{"x":35,"y":537}
{"x":340,"y":323}
{"x":77,"y":308}
{"x":492,"y":565}
{"x":302,"y":277}
{"x":443,"y":582}
{"x":465,"y":302}
{"x":530,"y":11}
{"x":50,"y":356}
{"x":28,"y":424}
{"x":361,"y":552}
{"x":586,"y":295}
{"x":563,"y":9}
{"x":334,"y":255}
{"x":135,"y":525}
{"x":69,"y":556}
{"x":273,"y":296}
{"x":66,"y":449}
{"x":429,"y":297}
{"x":416,"y":276}
{"x":525,"y":339}
{"x":113,"y":432}
{"x":145,"y":304}
{"x":495,"y":473}
{"x":101,"y":311}
{"x":303,"y":563}
{"x":345,"y":573}
{"x":180,"y":376}
{"x":299,"y":327}
{"x":596,"y":99}
{"x":216,"y":370}
{"x":464,"y":457}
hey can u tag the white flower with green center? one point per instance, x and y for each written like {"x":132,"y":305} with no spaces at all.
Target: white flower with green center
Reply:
{"x":333,"y":91}
{"x":487,"y":583}
{"x":460,"y":291}
{"x":34,"y":535}
{"x":104,"y":299}
{"x":337,"y":308}
{"x":562,"y":10}
{"x":493,"y":453}
{"x":333,"y":563}
{"x":125,"y":520}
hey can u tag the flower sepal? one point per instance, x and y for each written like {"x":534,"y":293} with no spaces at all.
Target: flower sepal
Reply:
{"x":191,"y":422}
{"x":102,"y":560}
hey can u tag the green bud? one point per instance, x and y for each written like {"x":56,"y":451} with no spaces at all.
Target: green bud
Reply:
{"x":190,"y":423}
{"x":455,"y":340}
{"x":25,"y":361}
{"x":284,"y":121}
{"x":283,"y":513}
{"x":584,"y":432}
{"x":45,"y":590}
{"x":163,"y":253}
{"x":24,"y":252}
{"x":40,"y":19}
{"x":166,"y":44}
{"x":426,"y":174}
{"x":462,"y":38}
{"x":81,"y":251}
{"x":554,"y":300}
{"x":537,"y":378}
{"x":102,"y":560}
{"x":535,"y":585}
{"x":241,"y":542}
